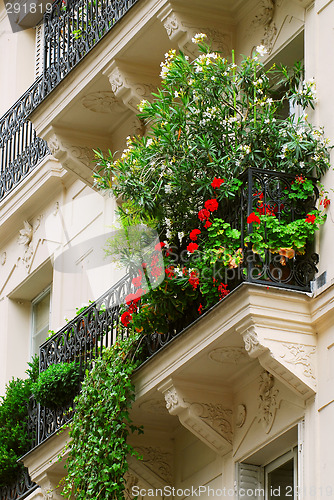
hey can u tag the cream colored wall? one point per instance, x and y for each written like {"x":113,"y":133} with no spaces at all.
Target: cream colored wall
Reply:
{"x":26,"y":270}
{"x":17,"y":61}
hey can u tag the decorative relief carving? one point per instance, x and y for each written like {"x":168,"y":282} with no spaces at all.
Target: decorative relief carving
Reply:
{"x":240,"y":415}
{"x":130,"y":481}
{"x":25,"y":234}
{"x":158,"y":461}
{"x":229,"y":354}
{"x":154,"y":406}
{"x":3,"y":258}
{"x":171,"y":398}
{"x":171,"y":24}
{"x":268,"y":401}
{"x":217,"y":417}
{"x":300,"y":354}
{"x":102,"y":102}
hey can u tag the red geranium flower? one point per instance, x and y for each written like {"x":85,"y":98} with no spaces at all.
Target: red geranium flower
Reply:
{"x":192,"y":247}
{"x":207,"y":224}
{"x":194,"y":279}
{"x":211,"y":205}
{"x":203,"y":214}
{"x":216,"y":183}
{"x":310,"y":218}
{"x":126,"y":318}
{"x":159,"y":245}
{"x":253,"y":218}
{"x":194,"y":234}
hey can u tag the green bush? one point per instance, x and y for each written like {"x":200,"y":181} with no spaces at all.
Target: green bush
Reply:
{"x":57,"y":385}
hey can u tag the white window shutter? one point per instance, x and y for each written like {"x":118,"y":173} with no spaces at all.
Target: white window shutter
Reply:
{"x":250,"y":482}
{"x":39,"y":50}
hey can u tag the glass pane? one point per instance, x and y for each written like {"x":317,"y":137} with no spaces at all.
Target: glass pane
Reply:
{"x":280,"y":482}
{"x":41,"y":311}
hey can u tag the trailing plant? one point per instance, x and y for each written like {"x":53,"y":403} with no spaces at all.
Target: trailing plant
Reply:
{"x":101,"y":425}
{"x":57,"y":385}
{"x":14,"y":438}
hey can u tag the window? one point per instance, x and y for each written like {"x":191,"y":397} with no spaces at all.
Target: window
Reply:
{"x":40,"y":319}
{"x":281,"y":477}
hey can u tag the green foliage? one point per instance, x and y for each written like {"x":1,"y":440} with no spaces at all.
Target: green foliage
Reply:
{"x":57,"y":385}
{"x":211,"y":118}
{"x":101,"y":425}
{"x":14,"y":441}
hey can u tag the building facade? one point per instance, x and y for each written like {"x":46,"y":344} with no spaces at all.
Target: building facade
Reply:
{"x":241,"y":403}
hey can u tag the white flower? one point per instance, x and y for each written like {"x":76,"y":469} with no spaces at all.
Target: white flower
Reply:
{"x":199,"y":37}
{"x":180,"y":236}
{"x":261,"y":50}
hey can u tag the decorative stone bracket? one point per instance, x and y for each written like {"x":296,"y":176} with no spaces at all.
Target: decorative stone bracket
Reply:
{"x":290,"y":362}
{"x":128,"y":86}
{"x":208,"y":421}
{"x":72,"y":154}
{"x":181,"y":31}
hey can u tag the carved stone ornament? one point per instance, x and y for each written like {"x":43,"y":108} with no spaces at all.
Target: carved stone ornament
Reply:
{"x":300,"y":354}
{"x":154,"y":406}
{"x":241,"y":414}
{"x":130,"y":481}
{"x":158,"y":461}
{"x":171,"y":398}
{"x":229,"y":354}
{"x":217,"y":417}
{"x":25,"y":234}
{"x":3,"y":258}
{"x":268,"y":401}
{"x":102,"y":102}
{"x":171,"y":24}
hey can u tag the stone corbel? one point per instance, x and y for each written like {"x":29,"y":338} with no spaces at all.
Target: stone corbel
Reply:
{"x":290,"y":362}
{"x":126,"y":87}
{"x":181,"y":31}
{"x":208,"y":421}
{"x":77,"y":158}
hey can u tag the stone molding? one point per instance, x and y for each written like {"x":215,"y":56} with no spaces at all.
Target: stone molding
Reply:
{"x":128,"y":87}
{"x":180,"y":30}
{"x":76,"y":158}
{"x":290,"y":362}
{"x":209,"y":421}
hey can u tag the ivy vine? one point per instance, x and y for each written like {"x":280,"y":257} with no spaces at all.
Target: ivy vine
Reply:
{"x":101,"y":425}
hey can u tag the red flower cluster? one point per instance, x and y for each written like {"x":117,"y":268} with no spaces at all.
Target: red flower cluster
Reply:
{"x":192,"y":247}
{"x":211,"y":205}
{"x":253,"y":218}
{"x":300,"y":179}
{"x":203,"y":214}
{"x":126,"y":318}
{"x":194,"y":279}
{"x":194,"y":234}
{"x":159,"y":245}
{"x":216,"y":183}
{"x":170,"y":272}
{"x":310,"y":218}
{"x":222,"y":288}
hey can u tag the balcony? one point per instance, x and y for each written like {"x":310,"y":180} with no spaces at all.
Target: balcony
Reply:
{"x":84,"y":337}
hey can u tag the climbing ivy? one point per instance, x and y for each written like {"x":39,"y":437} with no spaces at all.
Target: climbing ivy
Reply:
{"x":101,"y":425}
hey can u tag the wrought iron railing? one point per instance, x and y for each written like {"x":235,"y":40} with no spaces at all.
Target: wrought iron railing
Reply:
{"x":20,"y":149}
{"x":72,"y":29}
{"x":267,"y":192}
{"x":20,"y":489}
{"x":84,"y":338}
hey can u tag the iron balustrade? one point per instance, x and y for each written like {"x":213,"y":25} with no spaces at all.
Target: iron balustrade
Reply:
{"x":20,"y":148}
{"x":85,"y":336}
{"x":19,"y":489}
